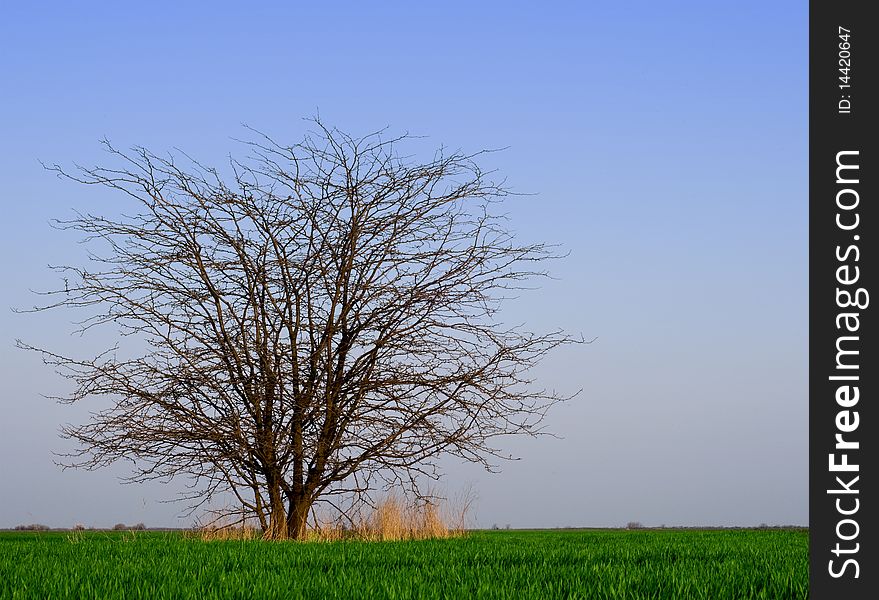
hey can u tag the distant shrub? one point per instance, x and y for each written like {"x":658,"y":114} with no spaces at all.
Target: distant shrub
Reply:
{"x":32,"y":527}
{"x":139,"y":527}
{"x":634,"y":525}
{"x":79,"y":527}
{"x":120,"y":527}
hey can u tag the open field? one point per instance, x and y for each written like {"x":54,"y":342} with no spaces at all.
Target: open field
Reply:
{"x":688,"y":564}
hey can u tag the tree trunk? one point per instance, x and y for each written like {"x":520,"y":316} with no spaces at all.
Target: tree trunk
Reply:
{"x":297,"y":518}
{"x":277,"y":529}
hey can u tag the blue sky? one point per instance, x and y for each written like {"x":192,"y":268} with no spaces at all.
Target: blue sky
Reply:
{"x":663,"y":144}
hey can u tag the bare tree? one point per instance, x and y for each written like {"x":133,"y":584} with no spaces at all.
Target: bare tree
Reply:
{"x":317,"y":320}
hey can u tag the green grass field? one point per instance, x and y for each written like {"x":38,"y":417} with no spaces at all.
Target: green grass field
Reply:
{"x":710,"y":564}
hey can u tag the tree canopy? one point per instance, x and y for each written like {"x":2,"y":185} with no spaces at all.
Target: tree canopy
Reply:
{"x":318,"y":319}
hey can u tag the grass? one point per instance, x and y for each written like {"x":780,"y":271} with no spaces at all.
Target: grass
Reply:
{"x":689,"y":564}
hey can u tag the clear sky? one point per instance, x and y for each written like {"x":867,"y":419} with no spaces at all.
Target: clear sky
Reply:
{"x":664,"y":144}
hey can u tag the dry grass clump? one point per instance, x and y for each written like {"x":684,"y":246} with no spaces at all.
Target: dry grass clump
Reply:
{"x":389,"y":519}
{"x":432,"y":525}
{"x":219,"y":530}
{"x":241,"y":532}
